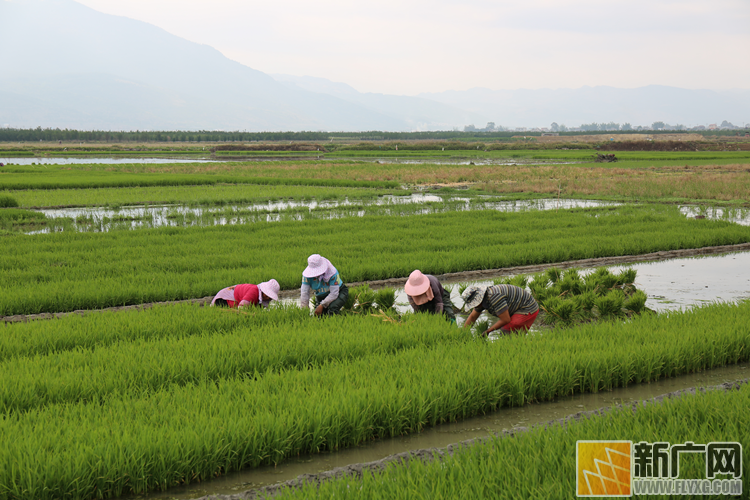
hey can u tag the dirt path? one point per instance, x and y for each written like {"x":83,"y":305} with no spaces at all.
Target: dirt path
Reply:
{"x":357,"y":470}
{"x":449,"y":277}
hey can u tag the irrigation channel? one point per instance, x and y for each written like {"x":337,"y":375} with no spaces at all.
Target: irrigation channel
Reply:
{"x":102,"y":219}
{"x":446,"y":434}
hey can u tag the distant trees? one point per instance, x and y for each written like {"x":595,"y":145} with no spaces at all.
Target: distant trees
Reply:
{"x":658,"y":125}
{"x":600,"y":127}
{"x":626,"y":126}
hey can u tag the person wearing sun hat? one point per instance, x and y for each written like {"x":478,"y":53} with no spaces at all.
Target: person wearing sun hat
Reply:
{"x":324,"y":281}
{"x":514,"y":307}
{"x":426,"y":294}
{"x":248,"y":294}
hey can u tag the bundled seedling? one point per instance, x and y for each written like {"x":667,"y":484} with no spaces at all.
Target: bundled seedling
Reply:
{"x":566,"y":297}
{"x":364,"y":300}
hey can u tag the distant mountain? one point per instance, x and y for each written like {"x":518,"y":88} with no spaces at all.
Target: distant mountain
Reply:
{"x":65,"y":65}
{"x":572,"y":107}
{"x":419,"y":113}
{"x":74,"y":66}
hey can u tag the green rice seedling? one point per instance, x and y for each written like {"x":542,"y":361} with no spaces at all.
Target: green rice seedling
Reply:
{"x":540,"y":293}
{"x":541,"y":279}
{"x":562,"y":311}
{"x":571,"y":284}
{"x":7,"y":201}
{"x":636,"y":302}
{"x":520,"y":280}
{"x":365,"y":299}
{"x":481,"y":326}
{"x":385,"y":298}
{"x":627,"y":276}
{"x":573,"y":273}
{"x":540,"y":463}
{"x":176,"y":431}
{"x":609,"y":306}
{"x":585,"y":300}
{"x":169,"y":263}
{"x":553,"y":275}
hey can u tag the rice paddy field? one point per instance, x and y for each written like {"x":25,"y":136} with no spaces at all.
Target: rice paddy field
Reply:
{"x":112,"y":404}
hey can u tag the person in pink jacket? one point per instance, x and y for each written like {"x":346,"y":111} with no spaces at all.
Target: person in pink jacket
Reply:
{"x":248,"y":294}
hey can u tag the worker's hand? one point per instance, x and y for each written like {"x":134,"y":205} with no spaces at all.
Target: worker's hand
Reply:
{"x":319,"y":310}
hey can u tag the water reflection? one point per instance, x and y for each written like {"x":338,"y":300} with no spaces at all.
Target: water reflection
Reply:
{"x":133,"y":217}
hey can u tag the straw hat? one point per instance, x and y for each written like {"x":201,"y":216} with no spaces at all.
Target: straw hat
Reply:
{"x":417,"y":284}
{"x":316,"y":266}
{"x":270,"y":289}
{"x":473,"y":296}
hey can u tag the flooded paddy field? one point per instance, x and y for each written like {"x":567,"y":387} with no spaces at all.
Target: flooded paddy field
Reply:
{"x":135,"y":217}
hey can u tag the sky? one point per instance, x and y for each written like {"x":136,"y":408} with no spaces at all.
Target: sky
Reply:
{"x":410,"y":46}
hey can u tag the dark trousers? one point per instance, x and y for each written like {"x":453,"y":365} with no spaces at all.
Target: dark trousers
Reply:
{"x":335,"y":306}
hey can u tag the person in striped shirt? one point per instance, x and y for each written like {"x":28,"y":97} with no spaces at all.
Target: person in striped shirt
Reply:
{"x":514,"y":307}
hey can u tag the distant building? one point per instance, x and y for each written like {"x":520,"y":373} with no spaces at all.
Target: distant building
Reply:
{"x":712,"y":126}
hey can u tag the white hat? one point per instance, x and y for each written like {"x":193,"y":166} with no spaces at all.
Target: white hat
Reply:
{"x":473,"y":296}
{"x":270,"y":288}
{"x":316,"y":266}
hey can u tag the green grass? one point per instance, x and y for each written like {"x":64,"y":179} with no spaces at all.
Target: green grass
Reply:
{"x":67,"y":271}
{"x":58,"y":177}
{"x":216,"y":194}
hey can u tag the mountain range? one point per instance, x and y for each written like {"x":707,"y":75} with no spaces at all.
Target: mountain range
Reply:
{"x":68,"y":66}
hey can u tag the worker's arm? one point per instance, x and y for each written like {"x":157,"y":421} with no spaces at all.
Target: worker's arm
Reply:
{"x":503,"y":319}
{"x":437,"y":292}
{"x":333,"y":294}
{"x":244,"y":303}
{"x":472,"y":318}
{"x":304,"y":296}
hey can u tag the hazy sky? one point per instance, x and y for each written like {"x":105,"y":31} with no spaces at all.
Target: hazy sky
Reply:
{"x":411,"y":46}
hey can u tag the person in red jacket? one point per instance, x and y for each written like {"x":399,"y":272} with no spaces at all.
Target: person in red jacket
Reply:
{"x":248,"y":294}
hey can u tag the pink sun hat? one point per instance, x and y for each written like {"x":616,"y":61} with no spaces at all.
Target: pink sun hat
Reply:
{"x":270,"y":288}
{"x":417,"y":284}
{"x":316,"y":266}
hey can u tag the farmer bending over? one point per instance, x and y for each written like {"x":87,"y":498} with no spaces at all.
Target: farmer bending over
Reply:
{"x":425,"y":293}
{"x":515,"y":308}
{"x":324,"y":281}
{"x":247,"y":294}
